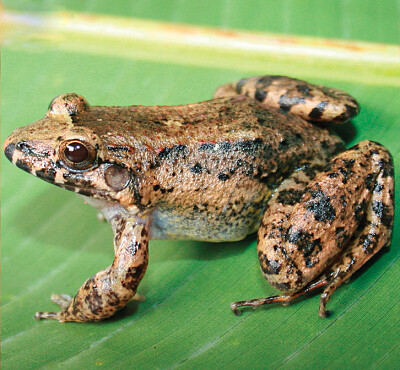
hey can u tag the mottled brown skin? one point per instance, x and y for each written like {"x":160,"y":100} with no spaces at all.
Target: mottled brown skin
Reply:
{"x":217,"y":171}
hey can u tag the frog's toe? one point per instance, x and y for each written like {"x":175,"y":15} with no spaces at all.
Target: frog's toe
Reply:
{"x":100,"y":217}
{"x":46,"y":315}
{"x":62,"y":300}
{"x":284,"y":299}
{"x":138,"y":298}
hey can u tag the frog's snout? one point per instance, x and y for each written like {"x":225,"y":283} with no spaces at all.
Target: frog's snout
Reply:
{"x":13,"y":150}
{"x":9,"y":146}
{"x":9,"y":149}
{"x":30,"y":156}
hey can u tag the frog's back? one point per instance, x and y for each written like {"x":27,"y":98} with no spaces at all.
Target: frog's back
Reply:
{"x":219,"y":130}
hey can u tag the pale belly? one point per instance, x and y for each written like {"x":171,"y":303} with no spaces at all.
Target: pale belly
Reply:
{"x":204,"y":226}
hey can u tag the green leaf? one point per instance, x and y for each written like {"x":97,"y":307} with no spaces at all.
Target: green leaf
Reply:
{"x":52,"y":242}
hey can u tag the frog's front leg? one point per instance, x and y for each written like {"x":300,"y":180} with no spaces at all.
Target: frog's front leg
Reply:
{"x":320,"y":235}
{"x":111,"y":289}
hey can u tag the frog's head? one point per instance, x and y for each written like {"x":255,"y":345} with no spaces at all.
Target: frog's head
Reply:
{"x":70,"y":155}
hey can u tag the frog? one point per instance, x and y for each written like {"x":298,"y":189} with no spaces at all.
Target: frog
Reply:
{"x":259,"y":157}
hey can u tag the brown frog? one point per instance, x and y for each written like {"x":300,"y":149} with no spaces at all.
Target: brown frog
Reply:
{"x":216,"y":171}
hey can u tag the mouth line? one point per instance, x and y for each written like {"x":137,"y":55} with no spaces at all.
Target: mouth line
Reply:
{"x":84,"y":191}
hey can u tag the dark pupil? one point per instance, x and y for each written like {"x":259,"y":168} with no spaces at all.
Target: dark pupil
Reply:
{"x":76,"y":152}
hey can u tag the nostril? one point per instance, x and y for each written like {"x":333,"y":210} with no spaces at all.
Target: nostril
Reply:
{"x":9,"y":151}
{"x":24,"y":147}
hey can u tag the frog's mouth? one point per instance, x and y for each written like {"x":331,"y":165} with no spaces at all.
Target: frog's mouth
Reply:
{"x":89,"y":192}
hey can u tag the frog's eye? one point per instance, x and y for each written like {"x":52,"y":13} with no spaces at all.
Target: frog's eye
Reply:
{"x":76,"y":152}
{"x":77,"y":155}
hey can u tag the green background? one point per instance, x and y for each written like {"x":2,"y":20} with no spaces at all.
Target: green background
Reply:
{"x":51,"y":241}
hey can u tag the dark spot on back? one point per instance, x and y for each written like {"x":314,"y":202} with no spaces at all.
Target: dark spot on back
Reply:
{"x":197,"y":168}
{"x":174,"y":152}
{"x":250,"y":146}
{"x":207,"y":146}
{"x":224,"y":146}
{"x":223,"y":177}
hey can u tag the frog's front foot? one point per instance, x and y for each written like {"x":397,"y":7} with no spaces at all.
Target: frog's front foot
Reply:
{"x":62,"y":300}
{"x":102,"y":295}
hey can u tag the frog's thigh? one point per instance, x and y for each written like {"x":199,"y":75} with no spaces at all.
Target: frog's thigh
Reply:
{"x":309,"y":101}
{"x":340,"y":220}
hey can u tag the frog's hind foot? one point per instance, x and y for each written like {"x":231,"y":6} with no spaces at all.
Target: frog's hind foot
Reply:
{"x":285,"y":299}
{"x":311,"y":102}
{"x":61,"y":300}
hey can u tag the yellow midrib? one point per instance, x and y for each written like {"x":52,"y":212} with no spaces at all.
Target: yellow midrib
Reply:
{"x":369,"y":63}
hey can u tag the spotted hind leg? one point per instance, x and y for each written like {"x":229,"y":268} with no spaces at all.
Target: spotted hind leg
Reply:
{"x":309,"y":101}
{"x":319,"y":236}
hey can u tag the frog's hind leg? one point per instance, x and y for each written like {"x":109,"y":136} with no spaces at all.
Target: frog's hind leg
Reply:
{"x":311,"y":102}
{"x":274,"y":225}
{"x":320,"y":235}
